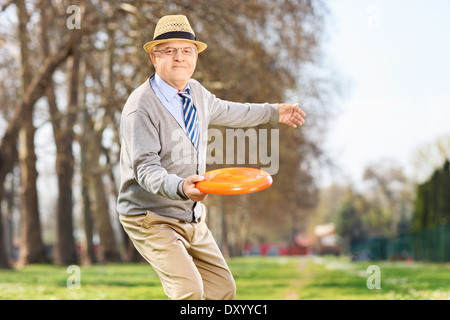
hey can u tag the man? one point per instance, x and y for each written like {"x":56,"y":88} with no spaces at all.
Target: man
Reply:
{"x":159,"y":206}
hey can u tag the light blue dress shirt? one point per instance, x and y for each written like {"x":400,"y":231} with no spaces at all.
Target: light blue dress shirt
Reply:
{"x":169,"y":97}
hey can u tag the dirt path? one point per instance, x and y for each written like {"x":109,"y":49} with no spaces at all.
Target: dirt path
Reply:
{"x":297,"y":283}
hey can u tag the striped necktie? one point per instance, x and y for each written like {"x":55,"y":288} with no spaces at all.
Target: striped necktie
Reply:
{"x":190,"y":117}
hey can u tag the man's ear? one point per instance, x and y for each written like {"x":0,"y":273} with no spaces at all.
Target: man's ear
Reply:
{"x":153,"y":58}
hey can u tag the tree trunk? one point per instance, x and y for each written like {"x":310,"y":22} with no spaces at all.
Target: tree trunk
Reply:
{"x":4,"y":263}
{"x":99,"y":202}
{"x":64,"y":249}
{"x":224,"y":241}
{"x":90,"y":142}
{"x":31,"y":246}
{"x":87,"y":249}
{"x":88,"y":253}
{"x":92,"y":138}
{"x":65,"y":252}
{"x":4,"y":238}
{"x":88,"y":256}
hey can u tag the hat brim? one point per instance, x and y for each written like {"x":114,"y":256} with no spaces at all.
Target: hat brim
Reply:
{"x":151,"y":44}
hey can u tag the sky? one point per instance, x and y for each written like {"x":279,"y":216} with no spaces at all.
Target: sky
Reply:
{"x":396,"y":56}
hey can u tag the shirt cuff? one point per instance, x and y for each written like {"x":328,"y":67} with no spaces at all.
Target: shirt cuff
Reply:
{"x":180,"y":190}
{"x":274,"y":114}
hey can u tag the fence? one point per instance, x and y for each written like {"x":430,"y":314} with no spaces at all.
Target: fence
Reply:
{"x":431,"y":244}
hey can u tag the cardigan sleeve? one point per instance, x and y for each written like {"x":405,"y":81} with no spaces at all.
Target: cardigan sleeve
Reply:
{"x":238,"y":115}
{"x":143,"y":144}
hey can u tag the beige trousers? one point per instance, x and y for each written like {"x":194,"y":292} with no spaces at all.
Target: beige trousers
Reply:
{"x":184,"y":255}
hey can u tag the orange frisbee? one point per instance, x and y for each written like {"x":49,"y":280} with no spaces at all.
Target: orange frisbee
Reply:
{"x":237,"y":180}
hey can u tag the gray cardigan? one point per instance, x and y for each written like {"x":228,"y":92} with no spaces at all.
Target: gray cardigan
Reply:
{"x":156,"y":155}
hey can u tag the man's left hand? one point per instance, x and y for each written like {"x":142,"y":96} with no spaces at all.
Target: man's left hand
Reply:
{"x":291,"y":115}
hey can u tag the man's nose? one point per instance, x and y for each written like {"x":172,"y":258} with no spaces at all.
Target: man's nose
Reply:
{"x":179,"y":56}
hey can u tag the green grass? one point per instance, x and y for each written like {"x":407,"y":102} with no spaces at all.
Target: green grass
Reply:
{"x":257,"y":278}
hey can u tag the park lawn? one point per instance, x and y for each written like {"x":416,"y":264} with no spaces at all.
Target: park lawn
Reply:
{"x":340,"y":279}
{"x":257,"y":278}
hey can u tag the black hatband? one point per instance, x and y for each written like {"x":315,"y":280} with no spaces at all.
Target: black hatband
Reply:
{"x":176,"y":34}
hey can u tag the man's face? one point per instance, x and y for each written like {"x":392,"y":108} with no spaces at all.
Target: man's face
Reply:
{"x":176,"y":69}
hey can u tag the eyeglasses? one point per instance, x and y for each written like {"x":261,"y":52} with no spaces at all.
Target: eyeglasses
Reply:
{"x":188,"y":51}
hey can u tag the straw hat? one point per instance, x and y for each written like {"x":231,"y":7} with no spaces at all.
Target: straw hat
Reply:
{"x":172,"y":28}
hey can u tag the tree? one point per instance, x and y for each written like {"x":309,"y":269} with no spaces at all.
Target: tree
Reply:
{"x":429,"y":157}
{"x":65,"y":250}
{"x":432,"y":202}
{"x":349,"y":220}
{"x":390,"y":193}
{"x":34,"y":87}
{"x":31,"y":245}
{"x":330,"y":200}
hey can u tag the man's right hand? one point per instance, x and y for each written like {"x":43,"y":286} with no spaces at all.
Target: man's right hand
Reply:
{"x":191,"y":191}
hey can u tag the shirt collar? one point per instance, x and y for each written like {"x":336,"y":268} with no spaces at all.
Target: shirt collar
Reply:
{"x":166,"y":89}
